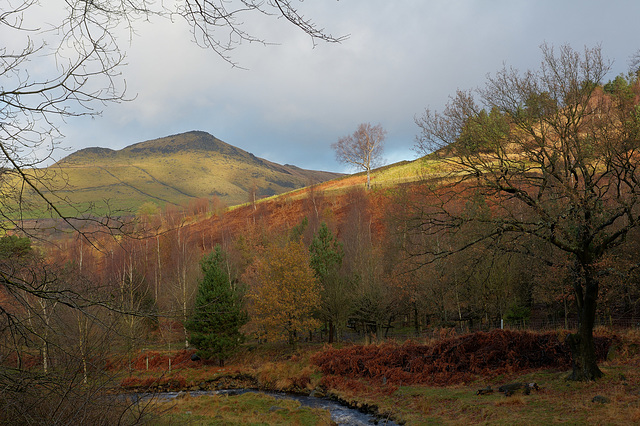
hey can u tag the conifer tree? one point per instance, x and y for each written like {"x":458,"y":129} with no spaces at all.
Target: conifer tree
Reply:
{"x":218,"y":315}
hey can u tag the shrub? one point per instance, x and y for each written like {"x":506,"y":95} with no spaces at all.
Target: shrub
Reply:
{"x":452,"y":360}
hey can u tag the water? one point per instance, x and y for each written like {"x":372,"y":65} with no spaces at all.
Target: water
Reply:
{"x":340,"y":414}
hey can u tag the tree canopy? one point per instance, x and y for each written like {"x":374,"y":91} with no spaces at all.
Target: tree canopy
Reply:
{"x":284,"y":292}
{"x":556,"y":162}
{"x":326,"y":260}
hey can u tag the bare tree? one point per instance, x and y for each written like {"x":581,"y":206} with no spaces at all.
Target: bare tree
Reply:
{"x":555,"y":159}
{"x":634,"y":63}
{"x":55,"y":66}
{"x":362,"y":149}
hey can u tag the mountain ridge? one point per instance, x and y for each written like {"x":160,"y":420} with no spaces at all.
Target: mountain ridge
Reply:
{"x":194,"y":140}
{"x":175,"y":170}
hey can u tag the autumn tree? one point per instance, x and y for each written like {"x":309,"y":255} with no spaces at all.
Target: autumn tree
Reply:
{"x":217,"y":316}
{"x":634,"y":63}
{"x":363,"y":149}
{"x":284,"y":292}
{"x":179,"y":268}
{"x":37,"y":323}
{"x":556,"y":161}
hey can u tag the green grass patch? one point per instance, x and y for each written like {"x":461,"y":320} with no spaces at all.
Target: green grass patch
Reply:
{"x":245,"y":409}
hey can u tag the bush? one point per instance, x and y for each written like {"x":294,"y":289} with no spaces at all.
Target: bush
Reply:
{"x":453,"y":360}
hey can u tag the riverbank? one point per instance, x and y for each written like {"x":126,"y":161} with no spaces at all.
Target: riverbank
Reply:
{"x":380,"y":389}
{"x":221,"y":385}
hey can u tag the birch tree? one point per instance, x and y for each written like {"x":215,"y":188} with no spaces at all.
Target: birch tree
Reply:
{"x":363,"y":149}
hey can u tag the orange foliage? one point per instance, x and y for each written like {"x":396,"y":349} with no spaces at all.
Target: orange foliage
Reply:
{"x":284,"y":292}
{"x":453,"y":360}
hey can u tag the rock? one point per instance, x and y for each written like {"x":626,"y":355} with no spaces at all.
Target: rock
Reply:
{"x":195,"y":357}
{"x":276,"y":408}
{"x":485,"y":391}
{"x":612,"y":353}
{"x":600,"y":399}
{"x":526,"y":388}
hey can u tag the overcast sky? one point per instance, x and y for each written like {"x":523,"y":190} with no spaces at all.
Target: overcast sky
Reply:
{"x":293,"y":100}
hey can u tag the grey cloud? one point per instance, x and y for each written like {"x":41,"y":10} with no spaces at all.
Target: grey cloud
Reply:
{"x":294,"y":100}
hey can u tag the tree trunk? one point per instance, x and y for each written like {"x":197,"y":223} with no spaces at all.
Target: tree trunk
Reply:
{"x":584,"y":361}
{"x":331,"y":331}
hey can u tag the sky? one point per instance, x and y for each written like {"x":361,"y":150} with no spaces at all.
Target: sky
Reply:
{"x":289,"y":101}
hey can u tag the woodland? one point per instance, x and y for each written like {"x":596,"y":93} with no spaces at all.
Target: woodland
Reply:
{"x":522,"y":214}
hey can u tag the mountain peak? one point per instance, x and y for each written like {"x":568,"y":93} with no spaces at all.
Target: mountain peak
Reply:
{"x":190,"y":141}
{"x":179,"y":168}
{"x":194,"y":140}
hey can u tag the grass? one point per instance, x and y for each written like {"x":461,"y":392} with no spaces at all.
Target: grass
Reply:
{"x":121,"y":182}
{"x":558,"y":401}
{"x":278,"y":367}
{"x":245,"y":409}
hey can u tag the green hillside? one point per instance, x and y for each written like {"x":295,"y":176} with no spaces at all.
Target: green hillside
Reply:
{"x":172,"y":170}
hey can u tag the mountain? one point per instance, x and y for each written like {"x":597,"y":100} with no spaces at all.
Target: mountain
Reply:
{"x":174,"y":170}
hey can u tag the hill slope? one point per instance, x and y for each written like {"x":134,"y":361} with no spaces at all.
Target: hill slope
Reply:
{"x":174,"y":170}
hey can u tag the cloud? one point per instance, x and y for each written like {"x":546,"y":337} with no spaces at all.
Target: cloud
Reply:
{"x":293,"y":99}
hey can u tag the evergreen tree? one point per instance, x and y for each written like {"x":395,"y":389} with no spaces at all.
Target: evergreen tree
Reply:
{"x":326,"y":254}
{"x":218,"y":315}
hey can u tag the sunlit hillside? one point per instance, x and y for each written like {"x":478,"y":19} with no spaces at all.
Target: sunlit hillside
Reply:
{"x":175,"y":170}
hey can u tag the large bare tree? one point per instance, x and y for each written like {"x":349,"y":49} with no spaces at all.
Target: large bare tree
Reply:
{"x":362,"y":149}
{"x":555,"y":159}
{"x":62,"y":59}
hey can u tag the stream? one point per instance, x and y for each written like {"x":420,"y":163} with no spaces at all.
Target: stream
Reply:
{"x":340,"y":414}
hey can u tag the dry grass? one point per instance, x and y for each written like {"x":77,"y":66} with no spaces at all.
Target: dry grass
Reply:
{"x":516,"y":400}
{"x":288,"y":376}
{"x":557,"y":401}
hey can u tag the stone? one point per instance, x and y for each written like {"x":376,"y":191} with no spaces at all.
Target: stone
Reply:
{"x":600,"y":399}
